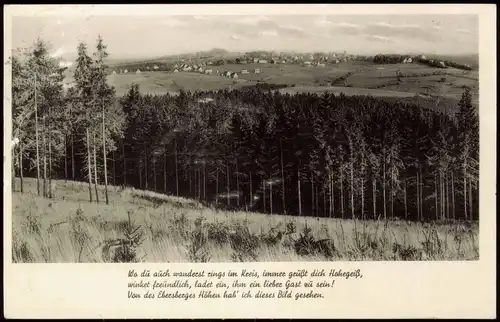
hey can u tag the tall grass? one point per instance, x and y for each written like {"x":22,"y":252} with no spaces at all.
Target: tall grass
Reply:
{"x":150,"y":227}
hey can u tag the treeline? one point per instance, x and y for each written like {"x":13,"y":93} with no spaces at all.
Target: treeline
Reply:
{"x":437,"y":63}
{"x":302,"y":154}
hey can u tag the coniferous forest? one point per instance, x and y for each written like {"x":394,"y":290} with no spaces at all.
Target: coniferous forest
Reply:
{"x":349,"y":157}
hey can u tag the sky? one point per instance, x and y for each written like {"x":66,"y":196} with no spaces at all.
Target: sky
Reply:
{"x":142,"y":36}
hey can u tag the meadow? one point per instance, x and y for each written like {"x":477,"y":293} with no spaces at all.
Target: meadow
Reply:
{"x":145,"y":226}
{"x":352,"y":78}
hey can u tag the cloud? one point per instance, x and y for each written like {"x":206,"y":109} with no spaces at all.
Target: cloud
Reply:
{"x":235,"y":37}
{"x":379,"y":38}
{"x":293,"y":31}
{"x":464,"y":31}
{"x":271,"y":33}
{"x":405,"y":31}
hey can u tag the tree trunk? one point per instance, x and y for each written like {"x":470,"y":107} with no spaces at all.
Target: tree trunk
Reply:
{"x":441,"y":194}
{"x":264,"y":193}
{"x":204,"y":181}
{"x":282,"y":179}
{"x":146,"y":175}
{"x":124,"y":164}
{"x":72,"y":157}
{"x":165,"y":170}
{"x":332,"y":197}
{"x":50,"y":164}
{"x":65,"y":159}
{"x":114,"y":167}
{"x":316,"y":199}
{"x":374,"y":197}
{"x":392,"y":192}
{"x":471,"y":212}
{"x":95,"y":172}
{"x":436,"y":190}
{"x":362,"y":197}
{"x":237,"y":183}
{"x":216,"y":186}
{"x":89,"y":166}
{"x":312,"y":193}
{"x":465,"y":192}
{"x":21,"y":178}
{"x":199,"y":184}
{"x":384,"y":188}
{"x":176,"y":171}
{"x":271,"y":198}
{"x":139,"y":166}
{"x":154,"y":173}
{"x":342,"y":194}
{"x":453,"y":196}
{"x":406,"y":205}
{"x":298,"y":190}
{"x":227,"y":185}
{"x":352,"y":184}
{"x":13,"y":168}
{"x":104,"y":158}
{"x":324,"y":202}
{"x":44,"y":161}
{"x":421,"y":185}
{"x":448,"y":205}
{"x":37,"y":144}
{"x":251,"y":191}
{"x":418,"y":196}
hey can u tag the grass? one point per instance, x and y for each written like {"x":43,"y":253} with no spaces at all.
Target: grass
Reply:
{"x":150,"y":227}
{"x":363,"y":78}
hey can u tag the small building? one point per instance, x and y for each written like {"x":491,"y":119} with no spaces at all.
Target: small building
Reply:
{"x":138,"y":71}
{"x":125,"y":71}
{"x":262,"y":61}
{"x":283,"y":61}
{"x":307,"y":63}
{"x":209,"y":63}
{"x":155,"y":67}
{"x":176,"y":70}
{"x":227,"y":73}
{"x":187,"y":69}
{"x":195,"y":67}
{"x":405,"y":60}
{"x":234,"y":75}
{"x":409,"y":60}
{"x":321,"y":65}
{"x":337,"y":61}
{"x":255,"y":60}
{"x":441,"y":64}
{"x":208,"y":72}
{"x":244,"y":71}
{"x":200,"y":70}
{"x":256,"y":71}
{"x":114,"y":73}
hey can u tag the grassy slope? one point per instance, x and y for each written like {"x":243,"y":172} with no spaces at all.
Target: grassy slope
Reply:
{"x":48,"y":230}
{"x":366,"y":79}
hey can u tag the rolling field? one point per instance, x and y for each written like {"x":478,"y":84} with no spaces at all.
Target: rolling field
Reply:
{"x":352,"y":78}
{"x":150,"y":227}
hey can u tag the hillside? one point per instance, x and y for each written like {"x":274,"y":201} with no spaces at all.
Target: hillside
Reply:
{"x":161,"y":228}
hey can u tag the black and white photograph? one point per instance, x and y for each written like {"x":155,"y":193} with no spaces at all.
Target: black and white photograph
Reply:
{"x":245,"y":138}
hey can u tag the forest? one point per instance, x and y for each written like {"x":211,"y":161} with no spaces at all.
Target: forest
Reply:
{"x":257,"y":150}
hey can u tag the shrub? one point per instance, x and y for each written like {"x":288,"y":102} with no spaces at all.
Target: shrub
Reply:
{"x":243,"y":243}
{"x":198,"y":239}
